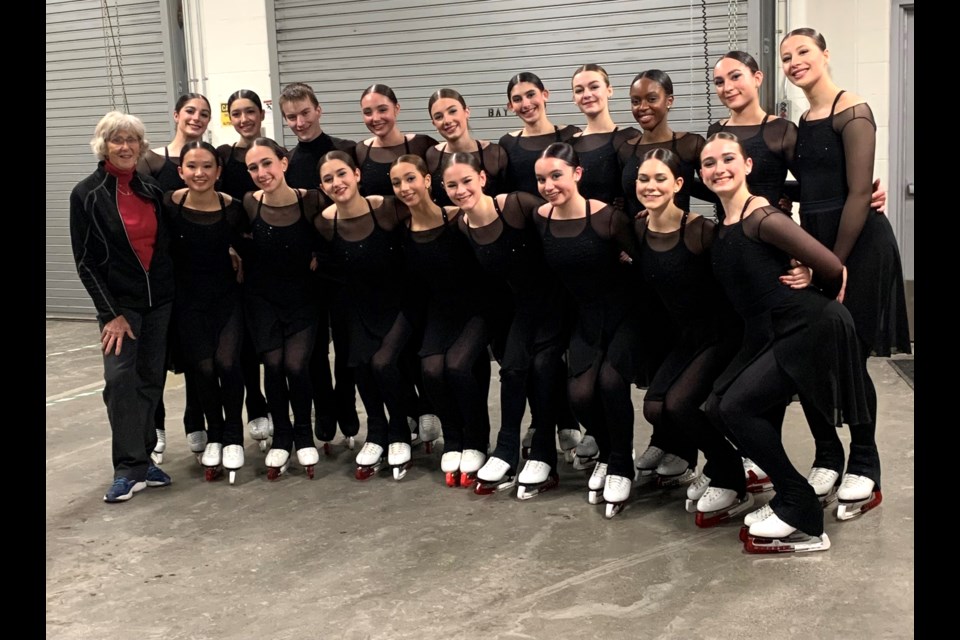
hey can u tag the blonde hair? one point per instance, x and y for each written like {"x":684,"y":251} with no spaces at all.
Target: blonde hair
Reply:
{"x":112,"y":123}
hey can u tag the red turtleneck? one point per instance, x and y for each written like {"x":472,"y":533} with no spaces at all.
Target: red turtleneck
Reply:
{"x":138,"y":215}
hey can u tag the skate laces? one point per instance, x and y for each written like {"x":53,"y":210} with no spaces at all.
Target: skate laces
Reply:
{"x":762,"y":513}
{"x":822,"y":475}
{"x":650,"y":458}
{"x":699,"y":484}
{"x":372,"y":449}
{"x":598,"y":476}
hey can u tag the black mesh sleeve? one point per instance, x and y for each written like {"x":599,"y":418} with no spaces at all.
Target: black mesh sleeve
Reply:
{"x":858,"y":130}
{"x":777,"y":228}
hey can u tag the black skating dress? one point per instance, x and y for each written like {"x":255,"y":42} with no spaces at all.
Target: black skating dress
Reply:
{"x":162,"y":169}
{"x":598,"y":154}
{"x":235,"y":179}
{"x":832,"y":154}
{"x":772,"y":146}
{"x":524,"y":151}
{"x":686,"y":146}
{"x":279,"y":293}
{"x":493,"y":160}
{"x":374,"y":162}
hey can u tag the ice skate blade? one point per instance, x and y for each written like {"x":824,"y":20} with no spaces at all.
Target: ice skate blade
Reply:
{"x":852,"y":509}
{"x":756,"y":484}
{"x":264,"y":445}
{"x":367,"y":471}
{"x":584,"y":464}
{"x":829,"y":499}
{"x":690,"y":506}
{"x":672,"y":482}
{"x":595,"y":497}
{"x":351,"y":443}
{"x":525,"y":492}
{"x":452,"y":478}
{"x":275,"y":472}
{"x":327,"y":449}
{"x":707,"y":519}
{"x":212,"y":473}
{"x":487,"y":487}
{"x":613,"y":509}
{"x":428,"y":446}
{"x":744,"y":533}
{"x":400,"y":470}
{"x":233,"y":476}
{"x":309,"y":469}
{"x":797,"y":542}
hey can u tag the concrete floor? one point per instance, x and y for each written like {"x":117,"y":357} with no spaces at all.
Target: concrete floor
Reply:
{"x":338,"y":558}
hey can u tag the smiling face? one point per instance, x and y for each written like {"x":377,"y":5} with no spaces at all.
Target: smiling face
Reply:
{"x":557,"y":180}
{"x":649,"y":103}
{"x":123,"y":149}
{"x":409,"y":185}
{"x":193,"y":118}
{"x":723,"y":167}
{"x":338,"y":180}
{"x":266,"y":168}
{"x":656,"y":184}
{"x":591,"y":92}
{"x":528,"y":102}
{"x":802,"y":60}
{"x":450,"y":118}
{"x":246,"y":118}
{"x":199,"y":170}
{"x":379,"y":114}
{"x":303,"y":118}
{"x":737,"y":86}
{"x":464,"y":185}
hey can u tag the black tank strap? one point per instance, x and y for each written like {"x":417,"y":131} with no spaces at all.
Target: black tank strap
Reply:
{"x":440,"y":158}
{"x":673,"y":144}
{"x":406,"y":145}
{"x":833,"y":107}
{"x":556,"y":133}
{"x":166,"y":150}
{"x":745,"y":205}
{"x":480,"y":153}
{"x":683,"y":223}
{"x":496,"y":207}
{"x":766,"y":117}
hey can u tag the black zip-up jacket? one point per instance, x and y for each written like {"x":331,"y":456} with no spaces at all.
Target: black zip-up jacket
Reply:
{"x":106,"y":262}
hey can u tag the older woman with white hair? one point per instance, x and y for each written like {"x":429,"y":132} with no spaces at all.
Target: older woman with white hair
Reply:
{"x":121,"y":248}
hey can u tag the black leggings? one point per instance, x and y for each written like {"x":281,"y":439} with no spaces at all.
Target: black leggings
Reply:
{"x":455,"y":384}
{"x":250,"y":367}
{"x":287,"y":380}
{"x":333,"y":403}
{"x":220,"y":384}
{"x":679,"y":412}
{"x":600,"y":398}
{"x":743,"y":410}
{"x":381,"y":383}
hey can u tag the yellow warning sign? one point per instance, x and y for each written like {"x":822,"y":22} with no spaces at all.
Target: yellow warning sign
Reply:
{"x":224,"y":115}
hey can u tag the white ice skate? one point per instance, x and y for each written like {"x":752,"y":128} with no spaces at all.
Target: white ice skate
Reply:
{"x":197,"y":441}
{"x":495,"y":475}
{"x":717,"y":505}
{"x":308,"y":457}
{"x":277,"y":461}
{"x":762,"y":513}
{"x":161,"y":446}
{"x":616,"y":492}
{"x":824,"y":482}
{"x":757,"y":479}
{"x":586,"y":453}
{"x":596,"y":483}
{"x":535,"y":478}
{"x":369,"y":460}
{"x":857,"y":495}
{"x":211,"y":459}
{"x":773,"y":535}
{"x":470,"y":462}
{"x":674,"y":471}
{"x":261,"y":429}
{"x":450,"y":465}
{"x":398,"y":457}
{"x":526,"y":443}
{"x":569,"y":439}
{"x":648,"y":462}
{"x":430,"y":431}
{"x":696,"y":489}
{"x":232,"y":460}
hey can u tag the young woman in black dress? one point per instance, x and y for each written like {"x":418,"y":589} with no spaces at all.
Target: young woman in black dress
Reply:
{"x":836,"y":140}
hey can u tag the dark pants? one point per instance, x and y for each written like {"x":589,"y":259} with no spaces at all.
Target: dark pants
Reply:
{"x":134,"y":386}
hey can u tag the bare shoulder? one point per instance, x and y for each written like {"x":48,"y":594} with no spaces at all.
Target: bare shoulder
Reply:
{"x":375,"y":201}
{"x":849,"y":99}
{"x":759,"y":202}
{"x":329,"y":212}
{"x":544,"y":209}
{"x":227,"y":198}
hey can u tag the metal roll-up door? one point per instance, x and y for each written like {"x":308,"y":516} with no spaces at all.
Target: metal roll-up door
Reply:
{"x":341,"y":47}
{"x":100,"y":55}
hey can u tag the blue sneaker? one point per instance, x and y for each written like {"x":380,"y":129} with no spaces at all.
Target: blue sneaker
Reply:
{"x":122,"y":489}
{"x":156,"y":477}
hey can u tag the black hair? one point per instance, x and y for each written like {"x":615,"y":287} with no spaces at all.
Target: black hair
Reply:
{"x":416,"y":161}
{"x":187,"y":97}
{"x":199,"y":144}
{"x":667,"y":157}
{"x":592,"y":67}
{"x":446,"y":93}
{"x":244,"y":93}
{"x":270,"y":144}
{"x":337,"y":154}
{"x":658,"y":76}
{"x":813,"y":34}
{"x":743,"y":58}
{"x":726,"y":135}
{"x":382,"y":90}
{"x":562,"y":151}
{"x":524,"y":76}
{"x":461,"y":157}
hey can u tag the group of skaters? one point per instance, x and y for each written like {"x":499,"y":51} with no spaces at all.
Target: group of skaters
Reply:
{"x":567,"y":253}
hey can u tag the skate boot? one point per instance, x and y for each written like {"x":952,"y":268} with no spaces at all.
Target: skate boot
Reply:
{"x":757,"y":479}
{"x":470,"y":462}
{"x":211,"y":460}
{"x":414,"y":431}
{"x":450,"y":465}
{"x":857,"y":494}
{"x":673,"y":471}
{"x":430,"y":430}
{"x":717,"y":505}
{"x":369,"y":460}
{"x":773,"y":535}
{"x":260,"y":430}
{"x":616,"y":492}
{"x":695,"y":491}
{"x":587,"y":453}
{"x":648,"y":462}
{"x":762,"y":513}
{"x":526,"y":443}
{"x":535,"y":478}
{"x":824,"y":482}
{"x":308,"y":457}
{"x":569,"y":439}
{"x":232,"y":460}
{"x":325,"y":429}
{"x":596,"y":483}
{"x":161,"y":446}
{"x":197,"y":441}
{"x":398,"y":457}
{"x":277,"y":461}
{"x":495,"y":475}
